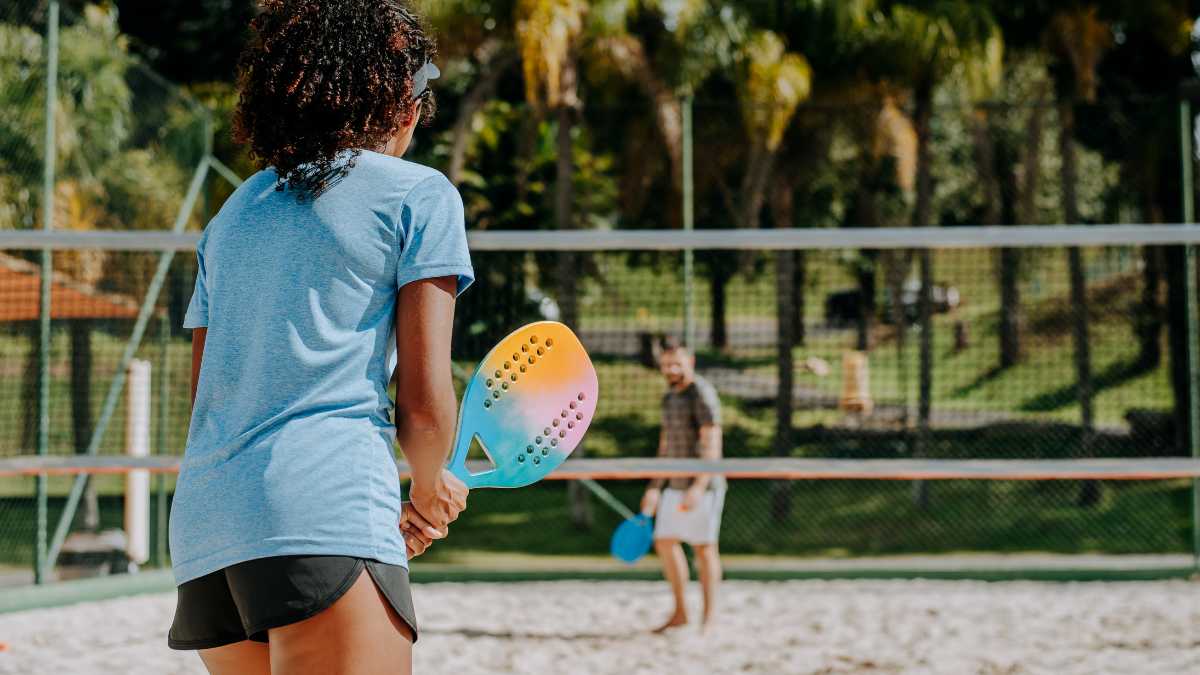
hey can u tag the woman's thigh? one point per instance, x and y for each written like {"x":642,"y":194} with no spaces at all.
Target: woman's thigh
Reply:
{"x":239,"y":658}
{"x":360,"y":633}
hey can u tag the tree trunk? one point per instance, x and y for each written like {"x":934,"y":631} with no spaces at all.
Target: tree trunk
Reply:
{"x":1010,"y":307}
{"x":526,"y":145}
{"x":1175,"y":258}
{"x":922,"y":217}
{"x":29,"y":391}
{"x":1031,"y":162}
{"x":1090,"y":490}
{"x":799,"y":284}
{"x":481,"y":92}
{"x":1010,"y":319}
{"x":896,"y":269}
{"x":81,"y":411}
{"x":629,"y":56}
{"x":753,"y":190}
{"x":925,"y":374}
{"x":721,"y":275}
{"x":866,"y":213}
{"x":785,"y":285}
{"x":1149,"y":319}
{"x":866,"y":301}
{"x":1149,"y":313}
{"x":579,"y":502}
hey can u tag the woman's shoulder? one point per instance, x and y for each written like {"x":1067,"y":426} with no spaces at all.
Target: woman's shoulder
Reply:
{"x":396,"y":170}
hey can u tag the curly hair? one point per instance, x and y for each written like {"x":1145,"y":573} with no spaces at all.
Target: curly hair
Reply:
{"x":319,"y":77}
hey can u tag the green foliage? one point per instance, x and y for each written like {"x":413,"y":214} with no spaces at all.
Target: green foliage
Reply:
{"x":115,"y":151}
{"x":95,"y":101}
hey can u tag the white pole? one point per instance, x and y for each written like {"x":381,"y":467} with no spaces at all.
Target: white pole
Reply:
{"x":137,"y":482}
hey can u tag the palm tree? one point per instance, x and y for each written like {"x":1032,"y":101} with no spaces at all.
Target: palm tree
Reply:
{"x":775,"y":84}
{"x":1080,"y":38}
{"x":925,"y":41}
{"x":651,"y":45}
{"x":547,"y":36}
{"x":485,"y":40}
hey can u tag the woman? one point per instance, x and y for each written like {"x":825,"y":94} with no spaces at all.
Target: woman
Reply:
{"x":288,"y":539}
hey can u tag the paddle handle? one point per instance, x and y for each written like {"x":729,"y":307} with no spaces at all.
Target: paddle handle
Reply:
{"x":608,"y":498}
{"x":458,"y":462}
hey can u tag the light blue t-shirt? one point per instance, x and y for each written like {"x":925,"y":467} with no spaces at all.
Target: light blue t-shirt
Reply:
{"x":290,"y":450}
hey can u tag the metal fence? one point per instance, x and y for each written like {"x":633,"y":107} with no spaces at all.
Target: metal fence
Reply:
{"x":90,"y":140}
{"x":820,"y":344}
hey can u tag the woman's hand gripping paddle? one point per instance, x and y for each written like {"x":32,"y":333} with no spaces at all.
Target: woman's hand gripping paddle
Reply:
{"x":527,"y":406}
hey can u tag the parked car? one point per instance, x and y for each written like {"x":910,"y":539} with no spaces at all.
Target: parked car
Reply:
{"x":843,"y":307}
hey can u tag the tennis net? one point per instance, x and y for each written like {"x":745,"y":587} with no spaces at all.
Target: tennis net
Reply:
{"x":1029,"y":344}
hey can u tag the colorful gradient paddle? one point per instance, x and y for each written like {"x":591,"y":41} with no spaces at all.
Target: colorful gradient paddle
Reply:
{"x":527,"y":405}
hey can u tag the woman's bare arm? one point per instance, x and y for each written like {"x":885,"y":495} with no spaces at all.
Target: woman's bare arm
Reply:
{"x":425,"y":401}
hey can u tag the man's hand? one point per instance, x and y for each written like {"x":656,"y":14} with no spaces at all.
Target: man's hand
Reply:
{"x":439,"y":504}
{"x":650,"y":501}
{"x":691,"y":498}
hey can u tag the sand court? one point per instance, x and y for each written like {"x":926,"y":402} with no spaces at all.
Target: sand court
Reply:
{"x":600,"y":628}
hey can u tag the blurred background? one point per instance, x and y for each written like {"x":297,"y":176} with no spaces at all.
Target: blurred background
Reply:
{"x":623,"y":115}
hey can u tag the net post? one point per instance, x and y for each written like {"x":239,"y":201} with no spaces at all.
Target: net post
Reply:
{"x":689,"y":205}
{"x":50,"y":157}
{"x":209,"y":133}
{"x":118,"y":382}
{"x":137,"y":444}
{"x":1193,"y":331}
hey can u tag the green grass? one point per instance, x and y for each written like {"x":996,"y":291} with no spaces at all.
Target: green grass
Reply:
{"x":826,"y":518}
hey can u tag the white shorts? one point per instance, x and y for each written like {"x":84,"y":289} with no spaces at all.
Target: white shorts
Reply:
{"x":701,"y":525}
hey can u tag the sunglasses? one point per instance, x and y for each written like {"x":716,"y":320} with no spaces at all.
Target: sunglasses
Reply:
{"x":421,"y":79}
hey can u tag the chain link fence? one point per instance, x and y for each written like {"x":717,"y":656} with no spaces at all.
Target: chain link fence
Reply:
{"x":855,"y":369}
{"x":846,"y":401}
{"x":124,"y":146}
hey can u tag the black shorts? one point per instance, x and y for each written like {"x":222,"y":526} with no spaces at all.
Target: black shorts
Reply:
{"x":244,"y":601}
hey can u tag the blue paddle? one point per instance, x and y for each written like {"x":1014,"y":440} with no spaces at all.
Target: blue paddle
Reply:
{"x":633,"y":537}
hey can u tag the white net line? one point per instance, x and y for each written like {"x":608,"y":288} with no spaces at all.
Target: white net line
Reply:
{"x":676,"y":240}
{"x":1158,"y":468}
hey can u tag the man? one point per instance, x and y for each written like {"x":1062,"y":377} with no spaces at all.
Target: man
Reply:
{"x":688,"y":510}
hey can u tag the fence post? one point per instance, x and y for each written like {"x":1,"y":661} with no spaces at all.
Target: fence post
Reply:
{"x":1193,"y":333}
{"x":50,"y":156}
{"x":118,"y":381}
{"x":689,"y":206}
{"x":164,"y":397}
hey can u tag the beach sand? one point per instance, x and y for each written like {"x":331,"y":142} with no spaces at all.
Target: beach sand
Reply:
{"x":601,"y":628}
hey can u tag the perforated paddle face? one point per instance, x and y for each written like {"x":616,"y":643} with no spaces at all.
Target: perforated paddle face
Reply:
{"x":528,"y":405}
{"x":632,"y":539}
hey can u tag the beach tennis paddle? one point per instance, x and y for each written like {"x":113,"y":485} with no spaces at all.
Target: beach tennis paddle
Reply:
{"x":527,"y":406}
{"x":632,"y":539}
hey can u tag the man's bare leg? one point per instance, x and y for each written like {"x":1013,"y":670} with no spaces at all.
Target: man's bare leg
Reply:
{"x":709,"y":560}
{"x":676,"y":572}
